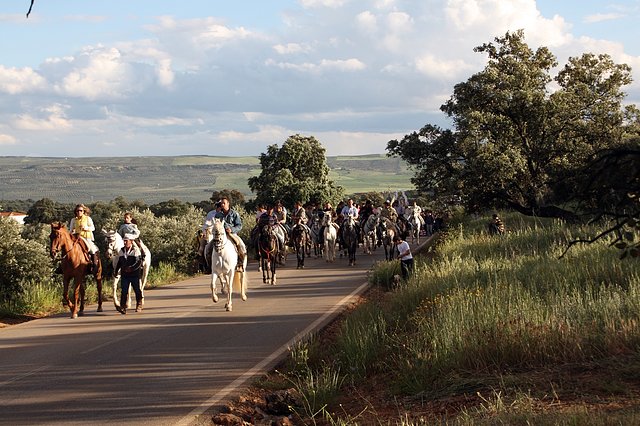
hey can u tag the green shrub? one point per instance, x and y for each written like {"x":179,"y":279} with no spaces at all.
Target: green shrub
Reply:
{"x":21,"y":261}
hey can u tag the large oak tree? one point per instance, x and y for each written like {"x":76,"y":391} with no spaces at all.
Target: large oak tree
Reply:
{"x":520,"y":137}
{"x":297,"y":171}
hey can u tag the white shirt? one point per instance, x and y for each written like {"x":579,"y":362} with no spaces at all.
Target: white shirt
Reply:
{"x":402,"y":247}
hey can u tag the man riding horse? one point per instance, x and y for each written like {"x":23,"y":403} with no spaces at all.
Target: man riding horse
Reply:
{"x":232,"y":225}
{"x":349,"y":210}
{"x":299,"y":218}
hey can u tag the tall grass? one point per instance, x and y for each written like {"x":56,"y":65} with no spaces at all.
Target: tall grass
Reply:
{"x":509,"y":302}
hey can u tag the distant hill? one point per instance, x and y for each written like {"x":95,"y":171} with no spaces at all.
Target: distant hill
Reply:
{"x":187,"y":178}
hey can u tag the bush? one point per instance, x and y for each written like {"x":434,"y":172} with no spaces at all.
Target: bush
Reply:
{"x":21,"y":261}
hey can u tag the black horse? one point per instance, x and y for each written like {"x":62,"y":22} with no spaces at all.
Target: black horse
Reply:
{"x":300,"y":240}
{"x":350,"y":237}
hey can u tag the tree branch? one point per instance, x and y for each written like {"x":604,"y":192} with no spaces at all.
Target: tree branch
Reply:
{"x":30,"y":7}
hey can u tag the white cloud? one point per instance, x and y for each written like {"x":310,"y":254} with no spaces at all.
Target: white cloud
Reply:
{"x":290,"y":48}
{"x":367,"y":22}
{"x":15,"y":81}
{"x":51,"y":118}
{"x":98,"y":73}
{"x":333,"y":4}
{"x":7,"y":139}
{"x":442,"y":68}
{"x":601,"y":17}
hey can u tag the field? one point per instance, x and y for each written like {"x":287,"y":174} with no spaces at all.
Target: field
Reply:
{"x":187,"y":178}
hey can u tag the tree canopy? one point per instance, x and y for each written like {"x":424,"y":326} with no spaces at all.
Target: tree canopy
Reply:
{"x":297,"y":171}
{"x":521,"y":137}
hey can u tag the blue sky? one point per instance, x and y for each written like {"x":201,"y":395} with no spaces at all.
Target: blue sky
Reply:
{"x":161,"y":77}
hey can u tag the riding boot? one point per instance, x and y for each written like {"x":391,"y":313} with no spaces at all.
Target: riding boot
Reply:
{"x":138,"y":304}
{"x":94,"y":262}
{"x":241,"y":256}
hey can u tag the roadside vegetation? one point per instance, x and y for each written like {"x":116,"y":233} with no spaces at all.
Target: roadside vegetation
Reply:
{"x":489,"y":330}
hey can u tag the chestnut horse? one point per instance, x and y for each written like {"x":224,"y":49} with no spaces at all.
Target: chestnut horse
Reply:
{"x":76,"y":264}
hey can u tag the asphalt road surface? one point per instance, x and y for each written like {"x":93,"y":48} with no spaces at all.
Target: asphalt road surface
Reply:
{"x":175,"y":361}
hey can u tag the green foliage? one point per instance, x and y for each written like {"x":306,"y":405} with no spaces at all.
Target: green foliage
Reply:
{"x":296,"y":171}
{"x":47,"y":211}
{"x":21,"y":261}
{"x":173,"y":207}
{"x":517,"y":143}
{"x":169,"y":238}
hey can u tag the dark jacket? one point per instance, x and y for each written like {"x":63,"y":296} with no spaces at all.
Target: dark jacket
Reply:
{"x":131,"y":264}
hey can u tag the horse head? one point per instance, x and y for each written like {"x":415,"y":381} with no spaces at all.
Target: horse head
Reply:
{"x":58,"y":238}
{"x":219,"y":234}
{"x":114,"y":242}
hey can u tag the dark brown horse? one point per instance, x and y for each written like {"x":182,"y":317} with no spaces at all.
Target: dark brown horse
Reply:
{"x":268,"y":252}
{"x":300,"y":240}
{"x":75,"y":264}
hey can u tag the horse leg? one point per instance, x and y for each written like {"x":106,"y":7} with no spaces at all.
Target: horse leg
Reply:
{"x":214,"y":280}
{"x":77,"y":283}
{"x":98,"y":278}
{"x":264,"y":265}
{"x":273,"y":273}
{"x":229,"y":279}
{"x":116,"y":299}
{"x":83,"y":287}
{"x":65,"y":293}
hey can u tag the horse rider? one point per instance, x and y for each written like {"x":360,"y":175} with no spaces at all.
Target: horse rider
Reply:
{"x":131,"y":227}
{"x":326,"y":210}
{"x":270,"y":218}
{"x":414,"y":210}
{"x":349,"y":210}
{"x":82,"y":226}
{"x":389,"y":212}
{"x":130,"y":260}
{"x":281,"y":213}
{"x":232,"y":225}
{"x":299,"y":218}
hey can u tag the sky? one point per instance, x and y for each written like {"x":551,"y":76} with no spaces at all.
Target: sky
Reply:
{"x":114,"y":78}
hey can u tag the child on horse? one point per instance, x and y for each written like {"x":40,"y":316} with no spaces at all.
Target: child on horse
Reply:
{"x":131,"y":227}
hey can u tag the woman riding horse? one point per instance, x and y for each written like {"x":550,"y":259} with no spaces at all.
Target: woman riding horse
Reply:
{"x":76,"y":264}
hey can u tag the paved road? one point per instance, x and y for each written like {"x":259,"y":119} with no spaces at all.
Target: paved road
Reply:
{"x":172,"y":362}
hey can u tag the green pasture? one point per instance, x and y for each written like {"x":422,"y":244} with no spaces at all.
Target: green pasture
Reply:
{"x":187,"y":178}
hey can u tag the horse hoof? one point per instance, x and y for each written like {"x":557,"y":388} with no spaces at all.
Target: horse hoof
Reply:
{"x":229,"y":309}
{"x":215,"y":298}
{"x":244,"y":297}
{"x":99,"y":308}
{"x":74,"y":316}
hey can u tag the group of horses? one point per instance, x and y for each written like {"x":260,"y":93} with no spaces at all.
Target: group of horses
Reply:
{"x":270,"y":244}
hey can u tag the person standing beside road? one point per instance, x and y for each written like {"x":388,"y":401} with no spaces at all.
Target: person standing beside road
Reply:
{"x":405,"y":256}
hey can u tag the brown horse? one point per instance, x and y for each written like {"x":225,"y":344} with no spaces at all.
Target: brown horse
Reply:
{"x":268,"y":252}
{"x":76,"y":264}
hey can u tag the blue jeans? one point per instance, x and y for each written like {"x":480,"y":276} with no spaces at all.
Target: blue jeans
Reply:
{"x":406,"y":267}
{"x":125,"y":282}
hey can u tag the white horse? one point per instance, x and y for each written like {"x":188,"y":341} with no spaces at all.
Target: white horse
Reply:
{"x":114,"y":244}
{"x":369,"y":233}
{"x":413,"y":217}
{"x":330,"y":238}
{"x":224,"y":259}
